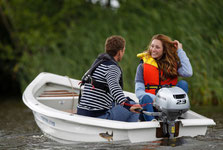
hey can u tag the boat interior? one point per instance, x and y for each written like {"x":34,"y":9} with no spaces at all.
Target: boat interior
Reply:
{"x":58,"y":97}
{"x":65,"y":98}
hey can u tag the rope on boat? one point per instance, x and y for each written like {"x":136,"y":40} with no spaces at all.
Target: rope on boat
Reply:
{"x":72,"y":94}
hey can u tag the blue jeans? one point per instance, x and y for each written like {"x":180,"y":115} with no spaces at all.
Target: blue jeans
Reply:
{"x":147,"y":101}
{"x":147,"y":105}
{"x":120,"y":113}
{"x":183,"y":85}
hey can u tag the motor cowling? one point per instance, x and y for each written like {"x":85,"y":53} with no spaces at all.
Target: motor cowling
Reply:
{"x":172,"y":102}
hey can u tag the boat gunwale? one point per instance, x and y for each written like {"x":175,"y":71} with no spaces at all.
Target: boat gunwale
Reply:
{"x":35,"y":105}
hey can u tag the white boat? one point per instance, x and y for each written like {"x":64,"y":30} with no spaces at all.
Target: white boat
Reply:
{"x":54,"y":98}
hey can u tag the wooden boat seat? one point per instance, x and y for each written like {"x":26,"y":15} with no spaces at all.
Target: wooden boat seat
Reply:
{"x":71,"y":111}
{"x":59,"y":99}
{"x":58,"y":93}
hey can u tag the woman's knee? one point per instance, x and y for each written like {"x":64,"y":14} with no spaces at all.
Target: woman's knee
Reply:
{"x":146,"y":99}
{"x":183,"y":84}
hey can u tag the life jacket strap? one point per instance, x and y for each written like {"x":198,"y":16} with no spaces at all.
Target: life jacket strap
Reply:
{"x":148,"y":87}
{"x":100,"y":85}
{"x":95,"y":84}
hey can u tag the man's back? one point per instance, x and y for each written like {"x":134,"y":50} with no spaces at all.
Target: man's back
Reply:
{"x":94,"y":98}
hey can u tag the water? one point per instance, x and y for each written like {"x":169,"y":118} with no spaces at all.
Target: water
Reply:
{"x":18,"y":130}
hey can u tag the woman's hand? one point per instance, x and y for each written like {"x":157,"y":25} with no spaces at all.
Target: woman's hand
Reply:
{"x":135,"y":106}
{"x":177,"y":44}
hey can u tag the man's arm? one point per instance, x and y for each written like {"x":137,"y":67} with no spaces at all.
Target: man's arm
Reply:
{"x":112,"y":77}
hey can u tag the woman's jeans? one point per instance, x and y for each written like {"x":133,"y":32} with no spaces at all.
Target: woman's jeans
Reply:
{"x":147,"y":104}
{"x":147,"y":101}
{"x":183,"y":85}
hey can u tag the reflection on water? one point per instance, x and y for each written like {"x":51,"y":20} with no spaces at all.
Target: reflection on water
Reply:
{"x":18,"y":130}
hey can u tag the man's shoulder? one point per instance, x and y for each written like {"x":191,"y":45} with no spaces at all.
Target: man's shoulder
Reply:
{"x":109,"y":62}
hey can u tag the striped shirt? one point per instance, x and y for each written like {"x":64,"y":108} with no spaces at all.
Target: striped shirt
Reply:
{"x":95,"y":99}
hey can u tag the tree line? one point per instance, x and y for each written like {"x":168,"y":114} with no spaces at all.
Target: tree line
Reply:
{"x":65,"y":36}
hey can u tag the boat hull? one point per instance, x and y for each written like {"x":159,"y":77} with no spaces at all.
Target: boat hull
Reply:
{"x":51,"y":115}
{"x":69,"y":132}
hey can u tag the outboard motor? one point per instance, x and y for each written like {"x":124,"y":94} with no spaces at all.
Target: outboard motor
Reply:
{"x":172,"y":103}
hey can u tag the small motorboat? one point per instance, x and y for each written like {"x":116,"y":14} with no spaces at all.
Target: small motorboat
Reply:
{"x":53,"y":100}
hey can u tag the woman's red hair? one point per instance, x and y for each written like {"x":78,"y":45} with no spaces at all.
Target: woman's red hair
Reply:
{"x":169,"y":62}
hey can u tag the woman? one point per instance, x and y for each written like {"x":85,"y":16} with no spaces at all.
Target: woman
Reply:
{"x":161,"y":64}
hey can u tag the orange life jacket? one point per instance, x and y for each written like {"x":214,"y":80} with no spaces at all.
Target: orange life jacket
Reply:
{"x":152,"y":75}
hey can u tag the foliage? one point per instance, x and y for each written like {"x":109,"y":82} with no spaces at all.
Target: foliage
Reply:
{"x":65,"y":36}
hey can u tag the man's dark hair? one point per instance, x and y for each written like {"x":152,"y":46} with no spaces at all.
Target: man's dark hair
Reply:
{"x":114,"y":44}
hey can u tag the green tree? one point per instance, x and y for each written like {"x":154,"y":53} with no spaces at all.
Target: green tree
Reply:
{"x":65,"y":36}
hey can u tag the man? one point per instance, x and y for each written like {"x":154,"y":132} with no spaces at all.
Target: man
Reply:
{"x":103,"y":86}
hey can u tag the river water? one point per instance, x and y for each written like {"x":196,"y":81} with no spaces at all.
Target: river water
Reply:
{"x":18,"y":130}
